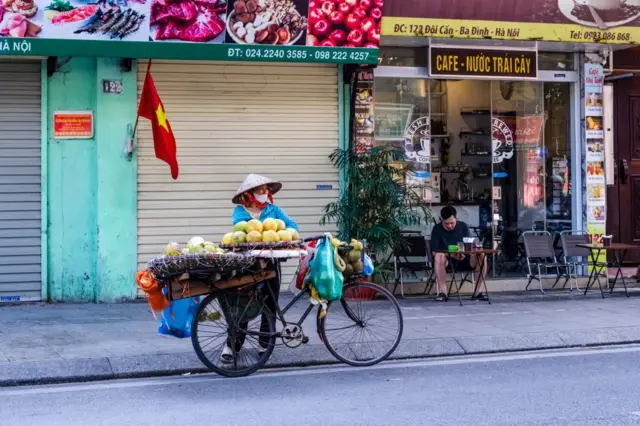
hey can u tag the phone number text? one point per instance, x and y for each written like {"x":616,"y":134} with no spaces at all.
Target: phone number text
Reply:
{"x":287,"y":53}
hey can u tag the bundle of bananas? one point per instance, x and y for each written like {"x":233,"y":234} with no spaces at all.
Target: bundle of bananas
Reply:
{"x":349,"y":263}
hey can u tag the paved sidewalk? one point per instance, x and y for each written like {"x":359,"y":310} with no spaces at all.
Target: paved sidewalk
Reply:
{"x":68,"y":342}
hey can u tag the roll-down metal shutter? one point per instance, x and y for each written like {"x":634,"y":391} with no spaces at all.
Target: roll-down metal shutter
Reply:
{"x":20,"y":97}
{"x":231,"y":119}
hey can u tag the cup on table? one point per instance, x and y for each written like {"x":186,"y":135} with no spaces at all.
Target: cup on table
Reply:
{"x":452,"y":248}
{"x":468,"y":244}
{"x":606,"y":240}
{"x":461,"y":246}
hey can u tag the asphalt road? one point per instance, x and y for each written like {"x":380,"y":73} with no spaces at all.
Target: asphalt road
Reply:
{"x":579,"y":387}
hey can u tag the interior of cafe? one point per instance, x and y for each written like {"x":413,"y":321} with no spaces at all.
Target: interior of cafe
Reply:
{"x":499,"y":151}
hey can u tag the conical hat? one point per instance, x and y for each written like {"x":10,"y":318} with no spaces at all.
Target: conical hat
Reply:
{"x":254,"y":181}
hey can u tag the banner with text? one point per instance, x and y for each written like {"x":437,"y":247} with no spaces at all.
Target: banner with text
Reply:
{"x":465,"y":62}
{"x":581,"y":21}
{"x":596,"y":185}
{"x":344,"y":31}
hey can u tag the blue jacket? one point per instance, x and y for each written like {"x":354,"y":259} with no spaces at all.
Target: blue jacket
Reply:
{"x":270,"y":212}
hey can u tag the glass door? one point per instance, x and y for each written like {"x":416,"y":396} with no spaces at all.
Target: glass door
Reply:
{"x":518,"y":174}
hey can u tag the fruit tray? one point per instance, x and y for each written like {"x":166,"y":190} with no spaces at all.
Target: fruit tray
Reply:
{"x":263,"y":246}
{"x":166,"y":266}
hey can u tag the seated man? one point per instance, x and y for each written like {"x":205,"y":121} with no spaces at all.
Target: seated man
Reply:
{"x":451,"y":232}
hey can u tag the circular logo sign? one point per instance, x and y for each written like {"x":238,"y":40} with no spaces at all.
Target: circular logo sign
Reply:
{"x":501,"y":140}
{"x":417,"y":141}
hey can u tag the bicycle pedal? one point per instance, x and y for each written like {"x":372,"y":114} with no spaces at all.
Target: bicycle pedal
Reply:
{"x":305,"y":340}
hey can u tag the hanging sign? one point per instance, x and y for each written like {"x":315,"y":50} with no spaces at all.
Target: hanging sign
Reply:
{"x":73,"y":124}
{"x":484,"y":63}
{"x":596,"y":186}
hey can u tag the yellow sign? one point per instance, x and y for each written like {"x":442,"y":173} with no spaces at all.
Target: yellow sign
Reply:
{"x":503,"y":30}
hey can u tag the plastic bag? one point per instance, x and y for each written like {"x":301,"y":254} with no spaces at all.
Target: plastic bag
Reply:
{"x":177,"y":319}
{"x":368,"y":265}
{"x":323,"y":273}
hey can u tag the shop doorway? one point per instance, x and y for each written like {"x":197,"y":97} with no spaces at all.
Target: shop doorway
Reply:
{"x":500,"y":153}
{"x":623,"y":199}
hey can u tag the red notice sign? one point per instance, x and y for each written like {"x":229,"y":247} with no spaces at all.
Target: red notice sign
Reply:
{"x":73,"y":124}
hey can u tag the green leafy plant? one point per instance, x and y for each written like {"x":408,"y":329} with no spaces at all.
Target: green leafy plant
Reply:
{"x":377,"y":204}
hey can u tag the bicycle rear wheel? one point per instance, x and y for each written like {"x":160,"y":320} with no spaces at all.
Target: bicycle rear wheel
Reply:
{"x":238,"y":323}
{"x":364,"y":327}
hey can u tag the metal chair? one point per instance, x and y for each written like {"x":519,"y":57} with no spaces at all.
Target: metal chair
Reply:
{"x":538,"y":246}
{"x":573,"y":255}
{"x":416,"y":247}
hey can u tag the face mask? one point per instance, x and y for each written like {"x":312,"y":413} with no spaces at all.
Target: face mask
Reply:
{"x":261,"y":197}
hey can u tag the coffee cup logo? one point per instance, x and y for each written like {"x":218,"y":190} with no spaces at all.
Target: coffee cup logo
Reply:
{"x":502,"y":141}
{"x":417,"y":141}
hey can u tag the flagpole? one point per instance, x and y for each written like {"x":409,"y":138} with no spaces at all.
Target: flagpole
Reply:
{"x":135,"y":126}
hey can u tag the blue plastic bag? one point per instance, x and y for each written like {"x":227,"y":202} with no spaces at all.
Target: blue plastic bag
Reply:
{"x":323,"y":273}
{"x":368,"y":265}
{"x":177,"y":318}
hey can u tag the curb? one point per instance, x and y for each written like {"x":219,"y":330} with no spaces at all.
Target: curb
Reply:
{"x":166,"y":364}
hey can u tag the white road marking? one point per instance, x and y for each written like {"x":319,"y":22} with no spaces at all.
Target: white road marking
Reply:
{"x":486,"y":314}
{"x":297,"y":371}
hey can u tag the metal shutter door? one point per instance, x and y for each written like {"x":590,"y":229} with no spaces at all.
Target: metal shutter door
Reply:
{"x":20,"y":264}
{"x":231,"y":119}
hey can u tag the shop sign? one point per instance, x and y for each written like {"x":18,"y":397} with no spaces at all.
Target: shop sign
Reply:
{"x":487,"y":63}
{"x":73,"y":124}
{"x":578,"y":21}
{"x":417,"y":141}
{"x":501,"y":140}
{"x":364,"y":119}
{"x":596,"y":185}
{"x":242,"y":30}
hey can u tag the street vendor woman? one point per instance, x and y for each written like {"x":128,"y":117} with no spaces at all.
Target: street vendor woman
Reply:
{"x":255,"y":201}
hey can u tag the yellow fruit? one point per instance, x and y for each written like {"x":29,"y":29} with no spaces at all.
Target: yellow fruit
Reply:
{"x":357,"y":245}
{"x":281,"y":225}
{"x":254,"y":225}
{"x":270,"y":225}
{"x":285,"y":236}
{"x":239,"y":237}
{"x":294,"y":234}
{"x":227,"y":239}
{"x":254,"y":237}
{"x":336,"y":242}
{"x":354,"y":256}
{"x":270,"y":236}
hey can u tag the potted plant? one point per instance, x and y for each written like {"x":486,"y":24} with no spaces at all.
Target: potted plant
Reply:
{"x":376,"y":204}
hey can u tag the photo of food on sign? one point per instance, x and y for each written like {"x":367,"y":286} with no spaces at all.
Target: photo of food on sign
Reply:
{"x":345,"y":23}
{"x":198,"y":21}
{"x":75,"y":19}
{"x":267,"y":22}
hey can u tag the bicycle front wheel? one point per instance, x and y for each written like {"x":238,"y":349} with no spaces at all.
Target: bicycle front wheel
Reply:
{"x":364,"y":327}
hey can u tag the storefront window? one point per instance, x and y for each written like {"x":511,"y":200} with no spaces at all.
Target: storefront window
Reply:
{"x":556,"y":61}
{"x":403,"y":56}
{"x":499,"y":152}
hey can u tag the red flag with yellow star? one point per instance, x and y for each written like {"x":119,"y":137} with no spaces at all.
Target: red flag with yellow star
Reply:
{"x":151,"y":108}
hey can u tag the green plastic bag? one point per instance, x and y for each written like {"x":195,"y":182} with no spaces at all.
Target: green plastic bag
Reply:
{"x":323,"y":273}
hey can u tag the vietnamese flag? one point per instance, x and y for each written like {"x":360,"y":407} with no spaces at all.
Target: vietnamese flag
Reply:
{"x":151,"y":108}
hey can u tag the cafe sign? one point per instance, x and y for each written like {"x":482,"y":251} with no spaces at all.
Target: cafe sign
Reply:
{"x":487,"y":63}
{"x":577,"y":21}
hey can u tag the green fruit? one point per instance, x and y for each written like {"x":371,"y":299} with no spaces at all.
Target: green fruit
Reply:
{"x":240,"y":227}
{"x":348,"y":270}
{"x":354,"y":256}
{"x":239,"y":237}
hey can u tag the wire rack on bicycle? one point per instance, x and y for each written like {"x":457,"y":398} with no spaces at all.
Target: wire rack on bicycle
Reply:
{"x":263,"y":246}
{"x":166,"y":266}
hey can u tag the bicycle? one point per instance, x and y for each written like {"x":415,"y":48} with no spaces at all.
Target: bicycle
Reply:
{"x":242,"y":309}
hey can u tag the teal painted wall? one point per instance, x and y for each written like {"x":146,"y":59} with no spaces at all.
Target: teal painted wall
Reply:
{"x":91,"y":187}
